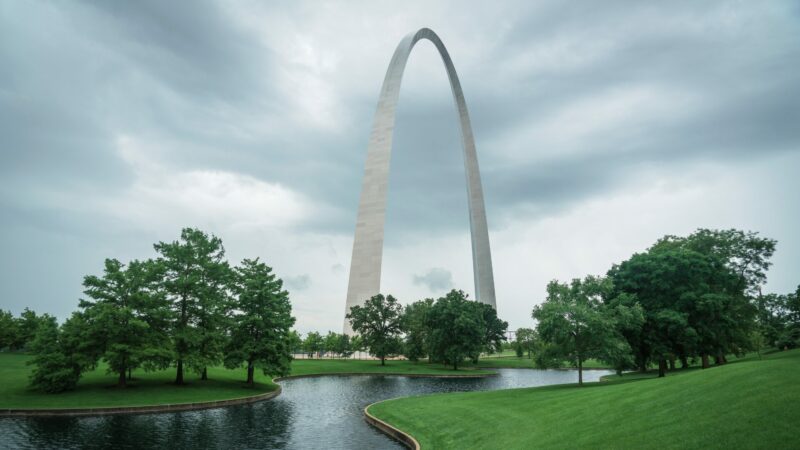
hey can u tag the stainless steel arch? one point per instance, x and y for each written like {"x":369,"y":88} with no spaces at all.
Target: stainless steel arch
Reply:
{"x":365,"y":265}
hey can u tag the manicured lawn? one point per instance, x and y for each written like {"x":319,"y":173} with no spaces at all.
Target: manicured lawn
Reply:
{"x":751,"y":403}
{"x":513,"y":362}
{"x":323,"y":366}
{"x":97,"y":388}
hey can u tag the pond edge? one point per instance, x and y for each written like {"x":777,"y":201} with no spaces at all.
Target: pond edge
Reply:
{"x":390,"y":430}
{"x":178,"y":407}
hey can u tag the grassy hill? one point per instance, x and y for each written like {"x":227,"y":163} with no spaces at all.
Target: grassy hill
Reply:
{"x":747,"y":404}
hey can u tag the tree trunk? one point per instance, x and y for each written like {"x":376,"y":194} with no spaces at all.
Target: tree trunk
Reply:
{"x":250,"y":371}
{"x":642,"y":362}
{"x":204,"y":376}
{"x":383,"y":360}
{"x":121,"y":382}
{"x":179,"y":375}
{"x":130,"y":373}
{"x":719,"y":359}
{"x":580,"y":372}
{"x":684,"y":362}
{"x":671,"y":364}
{"x":662,"y":367}
{"x":455,"y":364}
{"x":724,"y":359}
{"x":704,"y":357}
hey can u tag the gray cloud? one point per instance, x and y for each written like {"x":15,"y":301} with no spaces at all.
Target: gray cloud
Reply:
{"x":437,"y":280}
{"x":570,"y":105}
{"x":298,"y":283}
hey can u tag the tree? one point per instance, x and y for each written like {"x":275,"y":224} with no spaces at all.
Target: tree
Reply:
{"x":572,"y":320}
{"x":260,"y":335}
{"x":26,"y":327}
{"x":60,"y":355}
{"x":494,"y":330}
{"x":457,"y":328}
{"x":123,"y":302}
{"x":378,"y":323}
{"x":330,"y":343}
{"x":526,"y":340}
{"x":9,"y":330}
{"x":195,"y":277}
{"x":313,"y":343}
{"x":693,"y":304}
{"x":295,"y":341}
{"x":344,"y":346}
{"x":414,"y":325}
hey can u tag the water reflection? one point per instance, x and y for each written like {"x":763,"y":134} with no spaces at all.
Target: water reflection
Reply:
{"x":311,"y":413}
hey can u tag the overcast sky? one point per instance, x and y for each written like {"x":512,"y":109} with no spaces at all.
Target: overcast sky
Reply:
{"x":600,"y":127}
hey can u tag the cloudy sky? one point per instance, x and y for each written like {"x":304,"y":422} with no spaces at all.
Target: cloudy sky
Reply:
{"x":600,"y":127}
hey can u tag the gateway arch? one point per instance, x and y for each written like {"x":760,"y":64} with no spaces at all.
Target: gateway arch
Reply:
{"x":365,"y":265}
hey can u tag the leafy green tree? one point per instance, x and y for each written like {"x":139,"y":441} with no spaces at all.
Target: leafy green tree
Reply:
{"x":260,"y":335}
{"x":494,"y":330}
{"x":572,"y":320}
{"x":195,"y":278}
{"x":378,"y":321}
{"x":693,"y":305}
{"x":330,"y":343}
{"x":313,"y":343}
{"x":295,"y":341}
{"x":526,"y":340}
{"x":9,"y":330}
{"x":26,"y":327}
{"x":518,"y":349}
{"x":344,"y":347}
{"x":457,"y":328}
{"x":60,"y":355}
{"x":123,"y":301}
{"x":357,"y":344}
{"x":626,"y":319}
{"x":414,"y":325}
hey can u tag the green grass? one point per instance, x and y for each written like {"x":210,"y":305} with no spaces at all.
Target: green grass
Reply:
{"x":97,"y":388}
{"x":513,"y":362}
{"x":751,"y":403}
{"x":400,"y":367}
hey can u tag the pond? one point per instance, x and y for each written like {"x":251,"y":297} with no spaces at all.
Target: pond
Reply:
{"x":311,"y":413}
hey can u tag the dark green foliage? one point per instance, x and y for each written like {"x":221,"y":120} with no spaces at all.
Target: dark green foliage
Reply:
{"x":526,"y":341}
{"x":493,"y":330}
{"x":414,"y":324}
{"x":779,"y":319}
{"x":344,"y":346}
{"x":577,"y":326}
{"x":195,"y":277}
{"x":457,"y":329}
{"x":313,"y":344}
{"x":295,"y":341}
{"x":8,"y":330}
{"x":126,"y":317}
{"x":61,"y":354}
{"x":260,"y":334}
{"x":378,"y":323}
{"x":18,"y":333}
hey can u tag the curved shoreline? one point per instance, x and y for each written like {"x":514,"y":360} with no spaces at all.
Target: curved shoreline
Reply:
{"x":177,"y":407}
{"x":111,"y":410}
{"x":390,"y":430}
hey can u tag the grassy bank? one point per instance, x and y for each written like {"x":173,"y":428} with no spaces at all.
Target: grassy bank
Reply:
{"x":97,"y":388}
{"x":514,"y":362}
{"x":747,"y":404}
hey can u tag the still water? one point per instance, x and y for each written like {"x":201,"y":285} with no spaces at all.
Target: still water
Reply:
{"x":311,"y":413}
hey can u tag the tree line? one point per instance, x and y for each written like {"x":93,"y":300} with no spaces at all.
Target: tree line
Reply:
{"x":685,"y":299}
{"x":447,"y":330}
{"x":188,"y":308}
